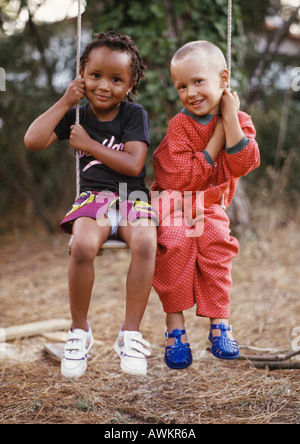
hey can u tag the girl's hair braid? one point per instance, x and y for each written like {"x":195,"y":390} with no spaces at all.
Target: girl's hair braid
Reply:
{"x":117,"y":42}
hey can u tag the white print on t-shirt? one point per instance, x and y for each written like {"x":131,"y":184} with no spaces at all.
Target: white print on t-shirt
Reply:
{"x":117,"y":147}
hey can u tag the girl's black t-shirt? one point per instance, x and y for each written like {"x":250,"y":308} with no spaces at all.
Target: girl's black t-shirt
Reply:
{"x":131,"y":124}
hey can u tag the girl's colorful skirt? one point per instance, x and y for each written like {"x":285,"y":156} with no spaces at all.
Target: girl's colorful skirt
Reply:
{"x":95,"y":204}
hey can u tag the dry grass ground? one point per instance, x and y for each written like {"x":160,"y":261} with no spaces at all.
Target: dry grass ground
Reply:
{"x":265,"y":309}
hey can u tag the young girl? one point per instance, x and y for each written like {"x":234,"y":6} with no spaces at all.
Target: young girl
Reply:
{"x":112,"y":141}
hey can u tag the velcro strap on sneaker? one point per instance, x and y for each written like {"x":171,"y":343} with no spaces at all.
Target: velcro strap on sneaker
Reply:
{"x":138,"y":343}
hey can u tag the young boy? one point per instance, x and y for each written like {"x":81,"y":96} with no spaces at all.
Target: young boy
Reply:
{"x":208,"y":146}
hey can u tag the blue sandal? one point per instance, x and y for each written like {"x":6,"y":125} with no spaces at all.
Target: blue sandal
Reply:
{"x":222,"y":346}
{"x":179,"y":355}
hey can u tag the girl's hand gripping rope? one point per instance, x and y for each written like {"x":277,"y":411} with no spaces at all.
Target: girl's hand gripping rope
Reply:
{"x":74,"y":93}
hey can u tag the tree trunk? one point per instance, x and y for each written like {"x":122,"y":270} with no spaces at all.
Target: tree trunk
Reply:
{"x":239,"y":211}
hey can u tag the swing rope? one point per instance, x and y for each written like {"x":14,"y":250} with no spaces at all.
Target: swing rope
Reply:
{"x":79,"y":33}
{"x":229,"y":38}
{"x":109,"y":244}
{"x":229,"y":56}
{"x":77,"y":106}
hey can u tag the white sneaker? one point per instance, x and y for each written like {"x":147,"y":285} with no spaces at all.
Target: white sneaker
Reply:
{"x":130,"y":346}
{"x":74,"y":362}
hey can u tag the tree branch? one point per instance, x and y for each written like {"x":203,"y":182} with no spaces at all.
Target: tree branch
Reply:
{"x":175,"y":25}
{"x":270,"y":50}
{"x":40,"y":47}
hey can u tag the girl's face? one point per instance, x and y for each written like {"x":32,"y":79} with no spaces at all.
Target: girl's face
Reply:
{"x":199,"y":85}
{"x":108,"y":78}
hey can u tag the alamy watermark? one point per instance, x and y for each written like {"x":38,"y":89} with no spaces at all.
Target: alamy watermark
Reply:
{"x":172,"y":208}
{"x":2,"y":80}
{"x":296,"y":79}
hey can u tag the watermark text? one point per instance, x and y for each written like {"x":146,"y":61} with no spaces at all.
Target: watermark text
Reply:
{"x":169,"y":208}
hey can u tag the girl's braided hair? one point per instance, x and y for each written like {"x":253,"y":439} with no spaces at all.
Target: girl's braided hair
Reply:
{"x":117,"y":42}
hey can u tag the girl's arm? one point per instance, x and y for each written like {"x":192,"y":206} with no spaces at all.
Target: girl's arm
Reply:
{"x":41,"y":133}
{"x":129,"y":162}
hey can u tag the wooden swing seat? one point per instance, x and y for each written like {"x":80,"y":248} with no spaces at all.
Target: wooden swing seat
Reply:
{"x":110,"y":244}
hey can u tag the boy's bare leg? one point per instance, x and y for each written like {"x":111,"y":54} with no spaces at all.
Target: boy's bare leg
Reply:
{"x":175,"y":321}
{"x":217,"y":332}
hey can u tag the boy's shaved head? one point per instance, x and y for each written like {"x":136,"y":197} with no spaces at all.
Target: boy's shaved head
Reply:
{"x":204,"y":49}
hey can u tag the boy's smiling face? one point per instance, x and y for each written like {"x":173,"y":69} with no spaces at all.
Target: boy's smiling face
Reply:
{"x":199,"y":83}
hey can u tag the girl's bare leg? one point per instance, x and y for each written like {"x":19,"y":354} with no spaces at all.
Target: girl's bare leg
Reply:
{"x":142,"y":241}
{"x":88,"y":237}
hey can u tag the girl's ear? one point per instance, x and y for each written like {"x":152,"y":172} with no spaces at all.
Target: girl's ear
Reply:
{"x":224,"y":78}
{"x":130,"y":87}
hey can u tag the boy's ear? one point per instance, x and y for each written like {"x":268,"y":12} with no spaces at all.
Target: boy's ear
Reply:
{"x":224,"y":78}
